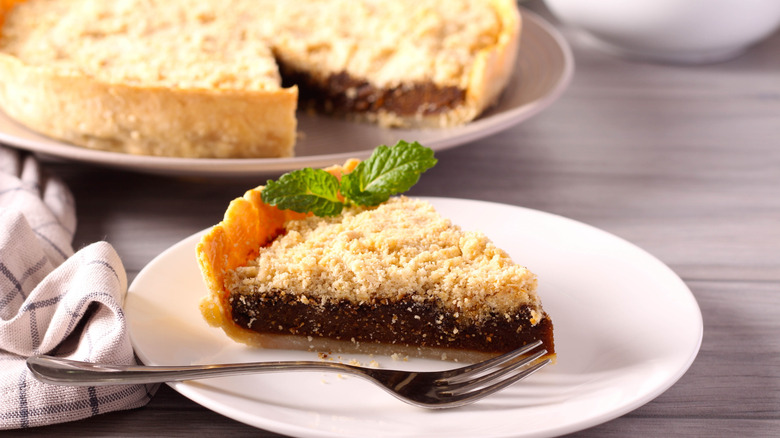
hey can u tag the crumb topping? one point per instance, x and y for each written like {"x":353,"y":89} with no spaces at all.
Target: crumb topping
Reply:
{"x":147,"y":42}
{"x":234,"y":43}
{"x":402,"y":249}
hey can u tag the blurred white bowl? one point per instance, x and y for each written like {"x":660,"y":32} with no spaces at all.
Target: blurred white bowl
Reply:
{"x":680,"y":31}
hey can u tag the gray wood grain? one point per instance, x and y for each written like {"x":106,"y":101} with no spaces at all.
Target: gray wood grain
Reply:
{"x":684,"y":161}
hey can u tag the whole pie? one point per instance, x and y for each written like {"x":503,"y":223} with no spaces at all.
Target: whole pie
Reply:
{"x":395,"y":279}
{"x":221,"y":78}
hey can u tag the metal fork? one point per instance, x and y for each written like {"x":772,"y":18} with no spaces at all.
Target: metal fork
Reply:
{"x":427,"y":389}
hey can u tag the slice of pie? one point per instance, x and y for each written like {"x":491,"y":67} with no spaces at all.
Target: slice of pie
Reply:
{"x":394,"y":279}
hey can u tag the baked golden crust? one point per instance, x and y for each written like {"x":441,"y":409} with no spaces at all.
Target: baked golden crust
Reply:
{"x":494,"y":66}
{"x":149,"y":120}
{"x":249,"y":223}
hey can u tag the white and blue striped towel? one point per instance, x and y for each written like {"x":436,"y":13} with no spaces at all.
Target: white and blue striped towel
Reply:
{"x":55,"y":302}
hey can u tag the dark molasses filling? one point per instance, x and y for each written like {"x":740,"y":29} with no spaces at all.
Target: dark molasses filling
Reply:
{"x":341,"y":93}
{"x":403,"y":323}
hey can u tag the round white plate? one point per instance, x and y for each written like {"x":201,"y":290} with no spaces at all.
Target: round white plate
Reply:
{"x":626,"y":329}
{"x":543,"y":70}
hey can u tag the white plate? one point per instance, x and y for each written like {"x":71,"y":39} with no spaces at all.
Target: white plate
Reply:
{"x":544,"y":69}
{"x":626,"y":329}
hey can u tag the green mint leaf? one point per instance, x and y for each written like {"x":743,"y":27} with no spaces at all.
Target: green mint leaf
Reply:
{"x":305,"y":190}
{"x":388,"y":171}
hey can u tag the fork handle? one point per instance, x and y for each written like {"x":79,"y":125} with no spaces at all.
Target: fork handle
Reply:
{"x":57,"y":371}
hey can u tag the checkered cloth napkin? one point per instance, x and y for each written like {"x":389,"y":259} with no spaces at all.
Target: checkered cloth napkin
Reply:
{"x":55,"y":302}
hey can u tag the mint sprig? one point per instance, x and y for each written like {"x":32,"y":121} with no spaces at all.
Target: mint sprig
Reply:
{"x":388,"y":171}
{"x":305,"y":190}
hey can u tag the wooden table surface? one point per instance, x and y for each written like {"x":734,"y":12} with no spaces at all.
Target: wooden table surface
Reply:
{"x":683,"y":161}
